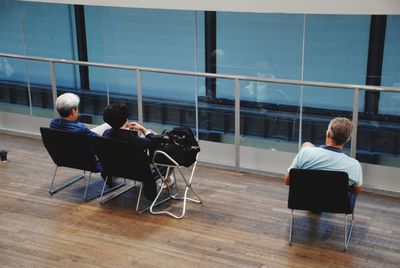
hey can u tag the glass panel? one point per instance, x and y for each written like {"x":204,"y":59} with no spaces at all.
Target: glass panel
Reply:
{"x":262,"y":45}
{"x":48,"y":32}
{"x":156,"y":38}
{"x":316,"y":121}
{"x":14,"y":95}
{"x":380,"y":138}
{"x":166,"y":109}
{"x":336,"y":49}
{"x":34,"y":29}
{"x":389,"y":103}
{"x":267,"y":125}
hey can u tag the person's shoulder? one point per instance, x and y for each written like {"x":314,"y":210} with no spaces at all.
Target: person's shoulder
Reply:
{"x":55,"y":122}
{"x":310,"y":149}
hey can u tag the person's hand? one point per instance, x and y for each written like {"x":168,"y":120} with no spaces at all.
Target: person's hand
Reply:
{"x":136,"y":126}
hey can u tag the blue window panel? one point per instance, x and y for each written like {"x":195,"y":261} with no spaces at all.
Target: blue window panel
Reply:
{"x":336,"y":50}
{"x":389,"y":103}
{"x":262,"y":45}
{"x":49,"y":32}
{"x":142,"y":37}
{"x":11,"y":41}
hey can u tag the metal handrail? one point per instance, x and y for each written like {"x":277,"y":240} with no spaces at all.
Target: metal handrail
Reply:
{"x":237,"y":78}
{"x":207,"y":75}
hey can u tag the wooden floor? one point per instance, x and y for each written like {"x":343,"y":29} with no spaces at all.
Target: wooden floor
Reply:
{"x":243,"y":222}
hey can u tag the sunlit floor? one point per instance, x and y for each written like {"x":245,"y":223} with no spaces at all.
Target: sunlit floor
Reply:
{"x":243,"y":222}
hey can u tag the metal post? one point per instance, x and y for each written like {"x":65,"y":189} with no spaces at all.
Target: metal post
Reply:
{"x":237,"y":125}
{"x":302,"y":87}
{"x":53,"y":86}
{"x":196,"y":88}
{"x":139,"y":96}
{"x":353,"y":146}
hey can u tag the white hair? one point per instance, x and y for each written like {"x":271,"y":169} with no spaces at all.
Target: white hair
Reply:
{"x":66,"y":102}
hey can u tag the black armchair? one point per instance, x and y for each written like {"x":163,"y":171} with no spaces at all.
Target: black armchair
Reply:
{"x":321,"y":191}
{"x":72,"y":150}
{"x":129,"y":161}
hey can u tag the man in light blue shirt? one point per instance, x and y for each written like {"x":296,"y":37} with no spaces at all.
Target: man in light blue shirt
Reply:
{"x":330,"y":156}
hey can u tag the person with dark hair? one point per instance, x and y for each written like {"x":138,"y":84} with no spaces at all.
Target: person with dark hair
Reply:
{"x":116,"y":115}
{"x":331,"y":156}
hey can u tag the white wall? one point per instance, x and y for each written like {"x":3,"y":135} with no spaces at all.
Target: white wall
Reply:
{"x":389,"y":7}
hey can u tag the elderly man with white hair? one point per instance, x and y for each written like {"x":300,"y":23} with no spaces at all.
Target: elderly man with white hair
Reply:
{"x":67,"y":106}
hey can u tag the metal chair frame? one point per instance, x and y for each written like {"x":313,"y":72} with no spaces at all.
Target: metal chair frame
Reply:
{"x":347,"y":232}
{"x":76,"y":179}
{"x":174,"y":195}
{"x":62,"y":159}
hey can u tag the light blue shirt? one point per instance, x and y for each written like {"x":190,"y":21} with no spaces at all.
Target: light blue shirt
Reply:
{"x":323,"y":159}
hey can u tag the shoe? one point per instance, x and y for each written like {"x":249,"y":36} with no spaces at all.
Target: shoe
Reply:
{"x":169,"y":183}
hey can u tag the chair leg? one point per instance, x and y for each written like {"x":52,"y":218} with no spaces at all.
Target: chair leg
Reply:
{"x":184,"y":198}
{"x":51,"y":191}
{"x":291,"y":228}
{"x":153,"y":204}
{"x":87,"y":186}
{"x":112,"y":189}
{"x":139,"y":196}
{"x":347,"y":234}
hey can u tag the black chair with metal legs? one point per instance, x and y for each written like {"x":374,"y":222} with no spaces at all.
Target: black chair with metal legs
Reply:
{"x":321,"y":191}
{"x":163,"y":160}
{"x":128,"y":161}
{"x":71,"y":150}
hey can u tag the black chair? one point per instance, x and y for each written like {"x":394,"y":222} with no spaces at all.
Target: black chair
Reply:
{"x":128,"y":161}
{"x":71,"y":150}
{"x":321,"y":191}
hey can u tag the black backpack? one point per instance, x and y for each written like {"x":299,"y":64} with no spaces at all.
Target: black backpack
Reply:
{"x":179,"y":143}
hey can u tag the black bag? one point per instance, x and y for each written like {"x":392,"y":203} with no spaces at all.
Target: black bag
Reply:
{"x":179,"y":143}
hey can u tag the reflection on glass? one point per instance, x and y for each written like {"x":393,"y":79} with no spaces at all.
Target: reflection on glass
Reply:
{"x":14,"y":94}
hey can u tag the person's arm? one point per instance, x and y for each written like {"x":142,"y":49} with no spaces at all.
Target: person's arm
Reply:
{"x":295,"y":163}
{"x":287,"y":179}
{"x":139,"y":127}
{"x":357,"y":189}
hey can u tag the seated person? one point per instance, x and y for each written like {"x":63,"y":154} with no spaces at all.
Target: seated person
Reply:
{"x":67,"y":106}
{"x":116,"y":115}
{"x":330,"y":156}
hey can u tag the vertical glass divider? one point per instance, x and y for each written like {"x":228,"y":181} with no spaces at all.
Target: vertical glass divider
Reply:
{"x":237,"y":125}
{"x":196,"y":77}
{"x":302,"y":87}
{"x":139,"y":96}
{"x":53,"y":86}
{"x":26,"y":61}
{"x":353,"y":146}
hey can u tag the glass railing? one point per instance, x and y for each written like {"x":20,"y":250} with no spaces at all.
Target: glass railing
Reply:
{"x":237,"y":119}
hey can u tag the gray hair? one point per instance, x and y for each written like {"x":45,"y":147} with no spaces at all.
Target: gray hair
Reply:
{"x":340,"y":129}
{"x":66,"y":102}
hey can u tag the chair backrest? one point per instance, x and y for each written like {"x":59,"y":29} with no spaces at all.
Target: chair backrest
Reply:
{"x":121,"y":159}
{"x":69,"y":149}
{"x":319,"y":191}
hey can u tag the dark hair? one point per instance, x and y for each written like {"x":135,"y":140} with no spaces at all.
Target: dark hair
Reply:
{"x":116,"y":115}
